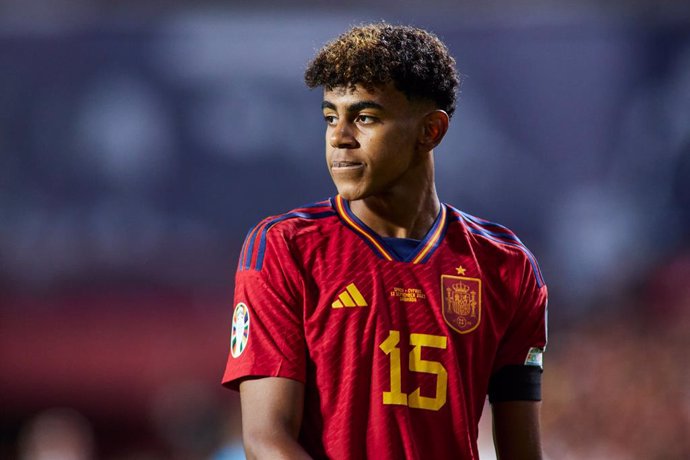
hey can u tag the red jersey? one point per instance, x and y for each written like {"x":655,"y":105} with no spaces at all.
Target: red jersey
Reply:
{"x":395,"y":353}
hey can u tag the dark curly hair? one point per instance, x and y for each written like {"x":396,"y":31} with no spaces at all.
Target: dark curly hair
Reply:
{"x":416,"y":61}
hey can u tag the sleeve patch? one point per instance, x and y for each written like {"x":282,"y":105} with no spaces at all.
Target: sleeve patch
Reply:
{"x":240,"y":330}
{"x":535,"y":357}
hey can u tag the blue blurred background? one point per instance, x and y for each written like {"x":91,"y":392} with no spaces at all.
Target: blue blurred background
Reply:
{"x":140,"y":140}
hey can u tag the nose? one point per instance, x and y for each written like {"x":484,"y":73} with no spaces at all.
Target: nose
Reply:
{"x":342,"y":136}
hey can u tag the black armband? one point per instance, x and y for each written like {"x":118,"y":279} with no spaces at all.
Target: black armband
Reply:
{"x":516,"y":383}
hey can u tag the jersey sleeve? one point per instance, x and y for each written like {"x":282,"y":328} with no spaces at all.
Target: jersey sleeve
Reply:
{"x":525,"y":338}
{"x":266,"y":337}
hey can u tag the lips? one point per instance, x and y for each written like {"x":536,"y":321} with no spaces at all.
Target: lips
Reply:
{"x":335,"y":164}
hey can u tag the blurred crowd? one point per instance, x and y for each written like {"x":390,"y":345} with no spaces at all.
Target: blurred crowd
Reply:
{"x":617,"y":386}
{"x":182,"y":426}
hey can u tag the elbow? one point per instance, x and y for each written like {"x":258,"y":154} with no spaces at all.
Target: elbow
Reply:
{"x":253,"y":443}
{"x":264,"y":445}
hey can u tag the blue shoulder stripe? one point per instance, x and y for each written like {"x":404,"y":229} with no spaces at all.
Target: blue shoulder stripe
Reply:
{"x":506,"y":236}
{"x":256,"y":238}
{"x":303,"y":215}
{"x":248,"y":241}
{"x":503,"y":232}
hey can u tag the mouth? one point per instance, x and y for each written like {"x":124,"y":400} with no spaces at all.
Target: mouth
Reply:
{"x":346,"y":165}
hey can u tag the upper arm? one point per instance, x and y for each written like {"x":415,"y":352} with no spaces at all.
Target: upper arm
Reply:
{"x":515,"y":385}
{"x":267,"y":335}
{"x":272,"y":409}
{"x":517,"y":431}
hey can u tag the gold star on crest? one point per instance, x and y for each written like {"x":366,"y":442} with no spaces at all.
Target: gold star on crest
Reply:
{"x":460,"y":270}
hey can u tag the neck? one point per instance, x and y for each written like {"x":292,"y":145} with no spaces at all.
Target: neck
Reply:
{"x":406,"y":210}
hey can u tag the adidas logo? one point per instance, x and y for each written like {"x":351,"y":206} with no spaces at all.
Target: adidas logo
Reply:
{"x":350,"y":297}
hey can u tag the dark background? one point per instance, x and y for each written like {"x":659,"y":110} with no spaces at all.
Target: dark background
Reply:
{"x":140,"y":141}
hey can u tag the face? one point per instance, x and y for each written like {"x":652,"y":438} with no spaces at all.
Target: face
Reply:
{"x":371,"y":139}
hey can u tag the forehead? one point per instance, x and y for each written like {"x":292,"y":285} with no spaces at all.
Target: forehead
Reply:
{"x":386,"y":96}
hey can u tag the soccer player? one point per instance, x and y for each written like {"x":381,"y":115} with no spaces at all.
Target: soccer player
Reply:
{"x":375,"y":323}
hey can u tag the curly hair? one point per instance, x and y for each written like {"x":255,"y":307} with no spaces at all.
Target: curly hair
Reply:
{"x":416,"y":61}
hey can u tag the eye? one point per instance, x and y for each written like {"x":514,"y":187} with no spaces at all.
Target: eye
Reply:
{"x":365,"y":119}
{"x":330,"y":120}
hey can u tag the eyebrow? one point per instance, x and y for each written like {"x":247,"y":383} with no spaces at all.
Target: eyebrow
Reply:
{"x":354,"y":108}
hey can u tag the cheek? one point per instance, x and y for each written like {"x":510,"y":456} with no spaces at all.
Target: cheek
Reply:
{"x":399,"y":147}
{"x":392,"y":161}
{"x":403,"y":135}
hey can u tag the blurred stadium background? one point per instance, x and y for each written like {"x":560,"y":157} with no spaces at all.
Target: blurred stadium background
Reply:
{"x":140,"y":140}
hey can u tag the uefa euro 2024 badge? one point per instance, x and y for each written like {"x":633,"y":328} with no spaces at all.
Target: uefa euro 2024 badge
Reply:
{"x":240,"y":330}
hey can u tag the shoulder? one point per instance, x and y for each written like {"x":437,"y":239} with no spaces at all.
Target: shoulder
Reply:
{"x":496,"y":239}
{"x":277,"y":233}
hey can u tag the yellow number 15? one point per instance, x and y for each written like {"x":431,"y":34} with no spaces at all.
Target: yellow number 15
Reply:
{"x":417,"y":364}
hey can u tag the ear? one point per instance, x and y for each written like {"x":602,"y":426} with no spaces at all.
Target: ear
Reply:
{"x":434,"y":127}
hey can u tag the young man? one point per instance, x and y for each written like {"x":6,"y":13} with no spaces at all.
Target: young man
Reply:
{"x":373,"y":325}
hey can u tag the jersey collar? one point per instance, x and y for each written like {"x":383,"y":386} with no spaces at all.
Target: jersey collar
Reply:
{"x":421,"y":254}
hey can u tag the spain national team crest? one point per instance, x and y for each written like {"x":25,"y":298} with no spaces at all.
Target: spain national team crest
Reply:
{"x":462,"y":302}
{"x":240,"y":330}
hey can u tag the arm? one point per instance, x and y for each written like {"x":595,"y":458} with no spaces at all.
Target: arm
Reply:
{"x":271,"y":418}
{"x":517,"y":430}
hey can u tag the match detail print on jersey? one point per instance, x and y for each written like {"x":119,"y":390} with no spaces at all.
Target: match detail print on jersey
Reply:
{"x":240,"y":330}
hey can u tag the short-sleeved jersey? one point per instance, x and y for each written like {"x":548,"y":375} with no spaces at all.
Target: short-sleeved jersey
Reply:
{"x":395,"y":353}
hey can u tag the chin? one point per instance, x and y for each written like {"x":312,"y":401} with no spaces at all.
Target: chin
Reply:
{"x":349,"y":193}
{"x":347,"y":196}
